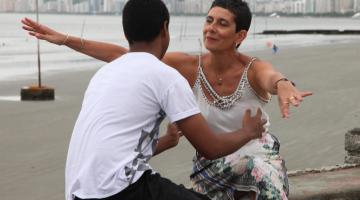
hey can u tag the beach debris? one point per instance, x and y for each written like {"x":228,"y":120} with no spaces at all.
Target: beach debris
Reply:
{"x":274,"y":15}
{"x":35,"y":93}
{"x":356,"y":15}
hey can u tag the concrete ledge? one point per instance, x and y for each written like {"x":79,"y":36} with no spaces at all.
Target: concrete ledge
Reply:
{"x":352,"y":146}
{"x":329,"y":183}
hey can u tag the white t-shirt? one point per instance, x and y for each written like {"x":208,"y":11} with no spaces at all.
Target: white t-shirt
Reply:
{"x":117,"y":129}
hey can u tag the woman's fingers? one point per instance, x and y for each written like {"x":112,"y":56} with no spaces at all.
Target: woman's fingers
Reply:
{"x":284,"y":104}
{"x":31,"y":25}
{"x":284,"y":107}
{"x":305,"y":94}
{"x":293,"y":100}
{"x":38,"y":36}
{"x":41,"y":36}
{"x":23,"y":21}
{"x":296,"y":99}
{"x":31,"y":22}
{"x":28,"y":28}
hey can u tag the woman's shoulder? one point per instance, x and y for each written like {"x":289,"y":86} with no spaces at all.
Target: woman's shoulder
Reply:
{"x":260,"y":64}
{"x":255,"y":63}
{"x":186,"y":64}
{"x":180,"y":59}
{"x":256,"y":67}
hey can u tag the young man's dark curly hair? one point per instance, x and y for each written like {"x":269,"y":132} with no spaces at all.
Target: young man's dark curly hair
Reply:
{"x":143,"y":19}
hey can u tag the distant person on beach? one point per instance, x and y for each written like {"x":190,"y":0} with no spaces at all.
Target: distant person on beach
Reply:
{"x":275,"y":48}
{"x":225,"y":83}
{"x":117,"y":130}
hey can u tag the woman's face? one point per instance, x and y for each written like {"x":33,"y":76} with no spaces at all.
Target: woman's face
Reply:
{"x":219,"y":30}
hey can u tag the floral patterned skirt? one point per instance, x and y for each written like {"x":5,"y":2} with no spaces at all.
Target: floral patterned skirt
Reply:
{"x":256,"y":167}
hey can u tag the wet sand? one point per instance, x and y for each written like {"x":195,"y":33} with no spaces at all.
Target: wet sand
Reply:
{"x":35,"y":135}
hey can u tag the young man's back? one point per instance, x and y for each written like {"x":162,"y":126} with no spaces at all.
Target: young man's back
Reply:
{"x":117,"y":129}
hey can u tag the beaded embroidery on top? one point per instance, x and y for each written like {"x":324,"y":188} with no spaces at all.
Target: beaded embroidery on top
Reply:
{"x":221,"y":102}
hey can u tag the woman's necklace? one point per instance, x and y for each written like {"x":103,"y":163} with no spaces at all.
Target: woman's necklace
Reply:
{"x":219,"y":81}
{"x":222,"y":102}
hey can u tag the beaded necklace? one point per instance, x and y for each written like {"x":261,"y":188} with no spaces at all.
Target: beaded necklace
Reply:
{"x":222,"y":102}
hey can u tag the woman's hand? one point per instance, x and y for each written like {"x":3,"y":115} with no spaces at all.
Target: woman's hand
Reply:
{"x":43,"y":32}
{"x":289,"y":95}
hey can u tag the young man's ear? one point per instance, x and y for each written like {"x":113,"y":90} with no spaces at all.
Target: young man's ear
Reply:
{"x":165,"y":29}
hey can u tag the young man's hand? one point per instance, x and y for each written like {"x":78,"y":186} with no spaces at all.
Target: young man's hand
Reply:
{"x":254,"y":126}
{"x":169,"y":140}
{"x":173,"y":134}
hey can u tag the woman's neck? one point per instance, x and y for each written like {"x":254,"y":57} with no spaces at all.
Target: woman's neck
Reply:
{"x":223,"y":61}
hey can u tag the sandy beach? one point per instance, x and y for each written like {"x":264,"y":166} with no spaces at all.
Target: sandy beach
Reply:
{"x":35,"y":135}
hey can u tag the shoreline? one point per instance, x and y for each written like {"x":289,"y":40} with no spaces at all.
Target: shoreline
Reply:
{"x":35,"y":135}
{"x":52,"y":64}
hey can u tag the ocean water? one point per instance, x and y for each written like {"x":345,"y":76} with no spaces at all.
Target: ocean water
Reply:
{"x":18,"y":54}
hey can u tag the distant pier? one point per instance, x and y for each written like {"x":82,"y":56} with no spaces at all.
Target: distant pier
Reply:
{"x":312,"y":31}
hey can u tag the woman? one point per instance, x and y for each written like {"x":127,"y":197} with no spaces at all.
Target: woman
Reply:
{"x":225,"y":83}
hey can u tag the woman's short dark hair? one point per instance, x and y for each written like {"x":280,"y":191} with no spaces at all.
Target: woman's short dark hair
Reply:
{"x":240,"y":9}
{"x":143,"y":19}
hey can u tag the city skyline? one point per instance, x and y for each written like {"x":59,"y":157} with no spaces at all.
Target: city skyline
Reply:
{"x":183,"y":6}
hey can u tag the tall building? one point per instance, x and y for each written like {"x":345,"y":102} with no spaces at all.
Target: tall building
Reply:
{"x":119,"y":6}
{"x":322,"y":6}
{"x":109,"y":6}
{"x":184,"y":6}
{"x":178,"y":6}
{"x":80,"y":6}
{"x":309,"y":6}
{"x":22,"y":6}
{"x":192,"y":6}
{"x":345,"y":6}
{"x":7,"y":6}
{"x":298,"y":6}
{"x":96,"y":6}
{"x":206,"y":6}
{"x":65,"y":5}
{"x":49,"y":6}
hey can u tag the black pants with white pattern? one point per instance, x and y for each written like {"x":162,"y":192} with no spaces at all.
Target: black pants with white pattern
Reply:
{"x":154,"y":187}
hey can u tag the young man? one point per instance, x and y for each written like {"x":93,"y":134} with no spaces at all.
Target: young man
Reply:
{"x":116,"y":132}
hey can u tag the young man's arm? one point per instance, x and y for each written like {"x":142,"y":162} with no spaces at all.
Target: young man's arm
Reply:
{"x":212,"y":145}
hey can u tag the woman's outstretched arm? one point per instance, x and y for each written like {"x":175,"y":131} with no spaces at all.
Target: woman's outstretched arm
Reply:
{"x":274,"y":82}
{"x":186,"y":64}
{"x":100,"y":50}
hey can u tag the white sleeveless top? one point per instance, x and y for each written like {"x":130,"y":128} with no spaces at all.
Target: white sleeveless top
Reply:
{"x":220,"y":120}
